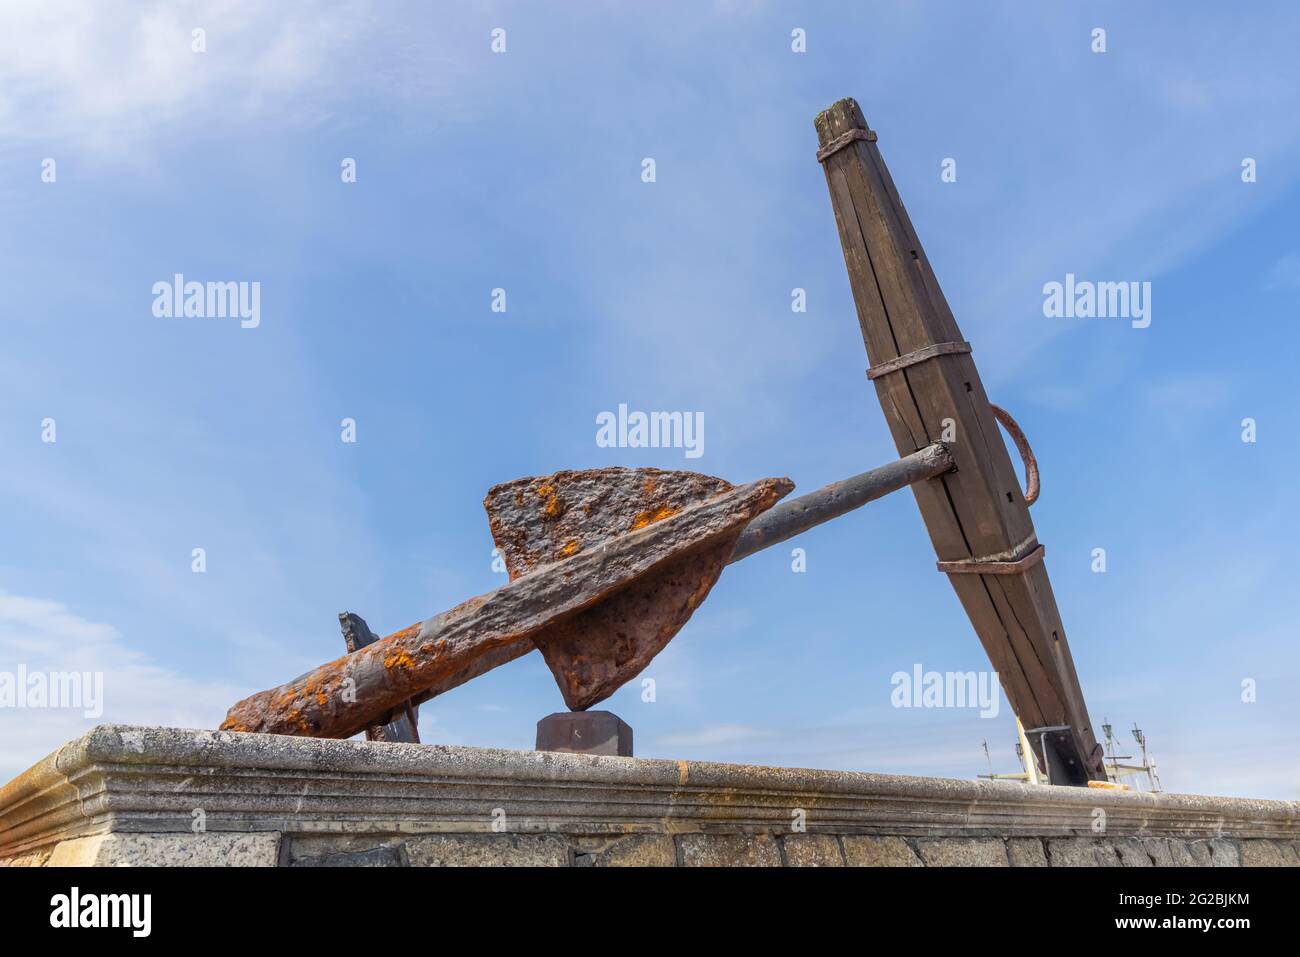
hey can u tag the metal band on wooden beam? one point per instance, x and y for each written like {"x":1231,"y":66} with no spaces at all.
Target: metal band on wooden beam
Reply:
{"x":920,"y":355}
{"x":837,"y":144}
{"x":979,"y":566}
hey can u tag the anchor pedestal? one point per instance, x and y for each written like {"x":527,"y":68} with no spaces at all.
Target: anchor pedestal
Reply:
{"x":585,"y":732}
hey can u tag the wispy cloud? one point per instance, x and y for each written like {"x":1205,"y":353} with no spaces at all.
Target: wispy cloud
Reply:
{"x":1188,"y":393}
{"x":713,"y":734}
{"x":46,"y":636}
{"x":1285,"y":273}
{"x":105,"y":73}
{"x":934,"y":743}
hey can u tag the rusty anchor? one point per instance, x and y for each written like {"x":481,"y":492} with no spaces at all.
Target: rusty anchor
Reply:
{"x":605,"y":565}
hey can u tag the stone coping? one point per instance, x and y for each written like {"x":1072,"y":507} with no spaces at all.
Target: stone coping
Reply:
{"x":123,"y":779}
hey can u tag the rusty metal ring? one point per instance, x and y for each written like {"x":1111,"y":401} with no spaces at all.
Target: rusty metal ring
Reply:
{"x":1022,"y":446}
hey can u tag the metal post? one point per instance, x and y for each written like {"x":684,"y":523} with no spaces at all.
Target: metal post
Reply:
{"x":831,"y":501}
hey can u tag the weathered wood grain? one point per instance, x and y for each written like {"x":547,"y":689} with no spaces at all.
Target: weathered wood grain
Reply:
{"x":977,"y":511}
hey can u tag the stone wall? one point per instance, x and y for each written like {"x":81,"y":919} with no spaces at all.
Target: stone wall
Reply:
{"x":128,"y":795}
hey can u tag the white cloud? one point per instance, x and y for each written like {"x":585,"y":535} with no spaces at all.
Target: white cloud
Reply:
{"x":935,"y":744}
{"x":103,"y":72}
{"x":1187,"y":393}
{"x":1285,"y":273}
{"x":711,"y":735}
{"x":45,"y":636}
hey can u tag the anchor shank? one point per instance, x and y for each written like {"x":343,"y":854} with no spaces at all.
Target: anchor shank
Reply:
{"x":796,"y":516}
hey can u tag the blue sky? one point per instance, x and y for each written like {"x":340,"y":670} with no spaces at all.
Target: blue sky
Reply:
{"x":522,"y":171}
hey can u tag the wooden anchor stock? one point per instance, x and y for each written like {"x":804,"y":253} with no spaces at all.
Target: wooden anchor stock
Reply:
{"x":976,"y":515}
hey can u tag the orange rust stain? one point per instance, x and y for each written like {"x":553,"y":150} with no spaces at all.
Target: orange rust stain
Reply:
{"x":649,"y":518}
{"x":553,"y":508}
{"x":571,"y":546}
{"x":398,"y":659}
